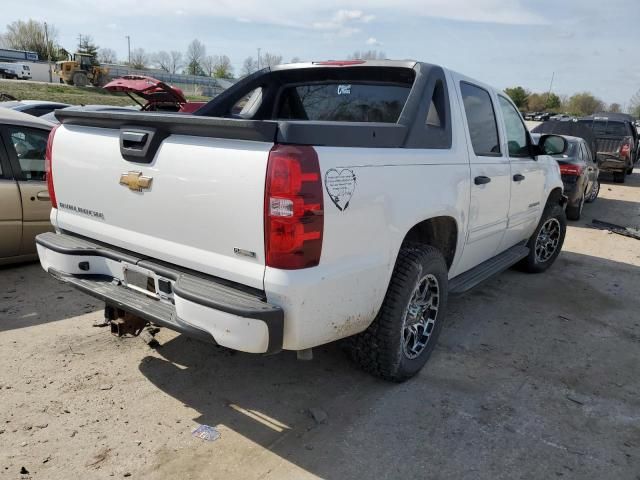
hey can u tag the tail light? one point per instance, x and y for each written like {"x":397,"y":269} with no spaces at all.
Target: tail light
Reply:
{"x":293,"y":208}
{"x":48,"y":159}
{"x":570,"y":169}
{"x":625,"y":150}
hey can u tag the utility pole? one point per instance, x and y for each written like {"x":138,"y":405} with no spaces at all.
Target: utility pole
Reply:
{"x":553,"y":74}
{"x":46,"y":40}
{"x":129,"y":47}
{"x":258,"y":58}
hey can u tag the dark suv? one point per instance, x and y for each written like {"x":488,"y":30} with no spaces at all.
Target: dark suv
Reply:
{"x":616,"y":142}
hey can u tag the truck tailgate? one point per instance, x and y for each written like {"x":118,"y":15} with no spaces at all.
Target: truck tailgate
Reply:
{"x":202,"y":209}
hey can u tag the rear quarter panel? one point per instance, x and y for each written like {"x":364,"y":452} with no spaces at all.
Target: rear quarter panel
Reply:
{"x":394,"y":189}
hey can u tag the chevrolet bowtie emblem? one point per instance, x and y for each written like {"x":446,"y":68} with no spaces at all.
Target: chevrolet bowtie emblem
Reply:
{"x":135,"y":181}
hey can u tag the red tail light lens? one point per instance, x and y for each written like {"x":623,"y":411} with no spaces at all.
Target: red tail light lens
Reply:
{"x":48,"y":157}
{"x":569,"y":169}
{"x":625,"y":150}
{"x":294,"y":208}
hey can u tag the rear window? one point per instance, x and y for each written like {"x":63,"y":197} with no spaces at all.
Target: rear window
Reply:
{"x":572,"y":151}
{"x":604,"y":127}
{"x":344,"y":102}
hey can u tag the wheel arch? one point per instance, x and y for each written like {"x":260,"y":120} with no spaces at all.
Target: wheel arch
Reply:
{"x":556,"y":196}
{"x":440,"y":232}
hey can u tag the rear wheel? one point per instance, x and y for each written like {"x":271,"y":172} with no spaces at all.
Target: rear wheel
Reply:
{"x":595,"y":190}
{"x":619,"y":177}
{"x":400,"y":340}
{"x":546,"y":242}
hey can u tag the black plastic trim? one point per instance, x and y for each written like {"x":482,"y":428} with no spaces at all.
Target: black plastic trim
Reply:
{"x":342,"y":134}
{"x":142,"y":150}
{"x":174,"y":123}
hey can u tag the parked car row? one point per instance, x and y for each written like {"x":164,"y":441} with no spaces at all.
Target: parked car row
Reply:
{"x":544,"y":116}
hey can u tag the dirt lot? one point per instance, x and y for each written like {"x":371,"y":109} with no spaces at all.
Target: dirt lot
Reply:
{"x":535,"y":376}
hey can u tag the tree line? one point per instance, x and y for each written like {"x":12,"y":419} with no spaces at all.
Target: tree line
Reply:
{"x":38,"y":37}
{"x":579,"y":104}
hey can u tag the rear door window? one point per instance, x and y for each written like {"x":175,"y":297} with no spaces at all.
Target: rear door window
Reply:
{"x":28,"y":146}
{"x":343,"y":102}
{"x":481,"y":119}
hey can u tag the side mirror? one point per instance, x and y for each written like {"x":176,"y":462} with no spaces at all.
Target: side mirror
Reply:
{"x":552,"y":145}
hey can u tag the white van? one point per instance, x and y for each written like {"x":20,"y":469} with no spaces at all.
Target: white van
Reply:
{"x":22,"y":70}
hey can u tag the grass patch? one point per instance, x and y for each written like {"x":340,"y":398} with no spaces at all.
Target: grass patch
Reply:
{"x":52,"y":92}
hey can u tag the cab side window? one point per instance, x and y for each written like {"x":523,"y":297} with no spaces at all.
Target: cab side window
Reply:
{"x":28,"y":146}
{"x":516,"y":131}
{"x":481,"y":119}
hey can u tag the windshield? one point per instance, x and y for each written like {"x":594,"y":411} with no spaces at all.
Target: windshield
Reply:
{"x":344,"y":102}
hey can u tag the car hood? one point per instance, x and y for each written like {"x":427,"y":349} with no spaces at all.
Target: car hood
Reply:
{"x":149,"y":88}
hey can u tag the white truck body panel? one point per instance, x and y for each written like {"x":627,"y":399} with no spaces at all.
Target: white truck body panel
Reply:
{"x":207,"y":199}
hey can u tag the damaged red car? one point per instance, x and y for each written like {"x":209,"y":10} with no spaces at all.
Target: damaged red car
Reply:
{"x":153,"y":95}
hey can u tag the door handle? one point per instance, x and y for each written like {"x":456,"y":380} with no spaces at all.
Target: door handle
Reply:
{"x":44,"y":196}
{"x":481,"y":180}
{"x":518,"y":177}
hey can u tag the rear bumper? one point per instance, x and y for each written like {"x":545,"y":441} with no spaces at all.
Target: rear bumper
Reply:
{"x":200,"y":306}
{"x":612,"y":164}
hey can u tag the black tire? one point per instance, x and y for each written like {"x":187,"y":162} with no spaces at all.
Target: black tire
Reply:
{"x":619,"y":177}
{"x":381,"y":349}
{"x":80,"y":79}
{"x":533,"y":263}
{"x":574,"y":212}
{"x":630,"y":170}
{"x":593,"y":194}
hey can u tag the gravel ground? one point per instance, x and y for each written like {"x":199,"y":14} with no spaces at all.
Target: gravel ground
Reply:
{"x":535,"y":376}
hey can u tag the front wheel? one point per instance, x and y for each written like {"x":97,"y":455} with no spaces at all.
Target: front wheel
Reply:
{"x":547,"y":240}
{"x":404,"y":333}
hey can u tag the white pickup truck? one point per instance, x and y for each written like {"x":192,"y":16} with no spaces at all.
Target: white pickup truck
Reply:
{"x":305,"y":204}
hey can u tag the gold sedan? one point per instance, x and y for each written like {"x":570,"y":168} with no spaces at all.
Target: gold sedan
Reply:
{"x":24,"y":199}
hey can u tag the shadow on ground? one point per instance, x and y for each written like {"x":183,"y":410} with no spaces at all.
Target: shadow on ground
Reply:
{"x":47,"y":299}
{"x":534,"y":373}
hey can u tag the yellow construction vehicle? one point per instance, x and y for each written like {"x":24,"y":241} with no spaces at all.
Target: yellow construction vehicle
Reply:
{"x":81,"y":70}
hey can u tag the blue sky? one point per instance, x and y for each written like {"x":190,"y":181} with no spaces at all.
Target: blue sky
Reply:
{"x":590,"y":45}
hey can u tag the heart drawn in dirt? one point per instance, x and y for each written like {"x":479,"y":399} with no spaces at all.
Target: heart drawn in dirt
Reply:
{"x":340,"y":184}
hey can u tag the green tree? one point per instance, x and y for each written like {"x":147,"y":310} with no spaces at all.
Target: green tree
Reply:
{"x":196,"y":52}
{"x":519,"y":95}
{"x":553,"y":101}
{"x":584,"y":103}
{"x":86,"y":45}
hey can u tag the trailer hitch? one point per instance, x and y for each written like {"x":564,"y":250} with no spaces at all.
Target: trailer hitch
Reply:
{"x":123,"y":323}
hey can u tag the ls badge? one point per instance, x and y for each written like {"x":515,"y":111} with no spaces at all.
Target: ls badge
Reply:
{"x":135,"y":181}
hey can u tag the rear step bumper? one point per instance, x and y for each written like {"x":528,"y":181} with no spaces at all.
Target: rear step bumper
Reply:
{"x":199,"y":306}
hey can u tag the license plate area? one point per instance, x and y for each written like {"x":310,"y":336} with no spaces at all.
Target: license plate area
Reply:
{"x":140,"y":279}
